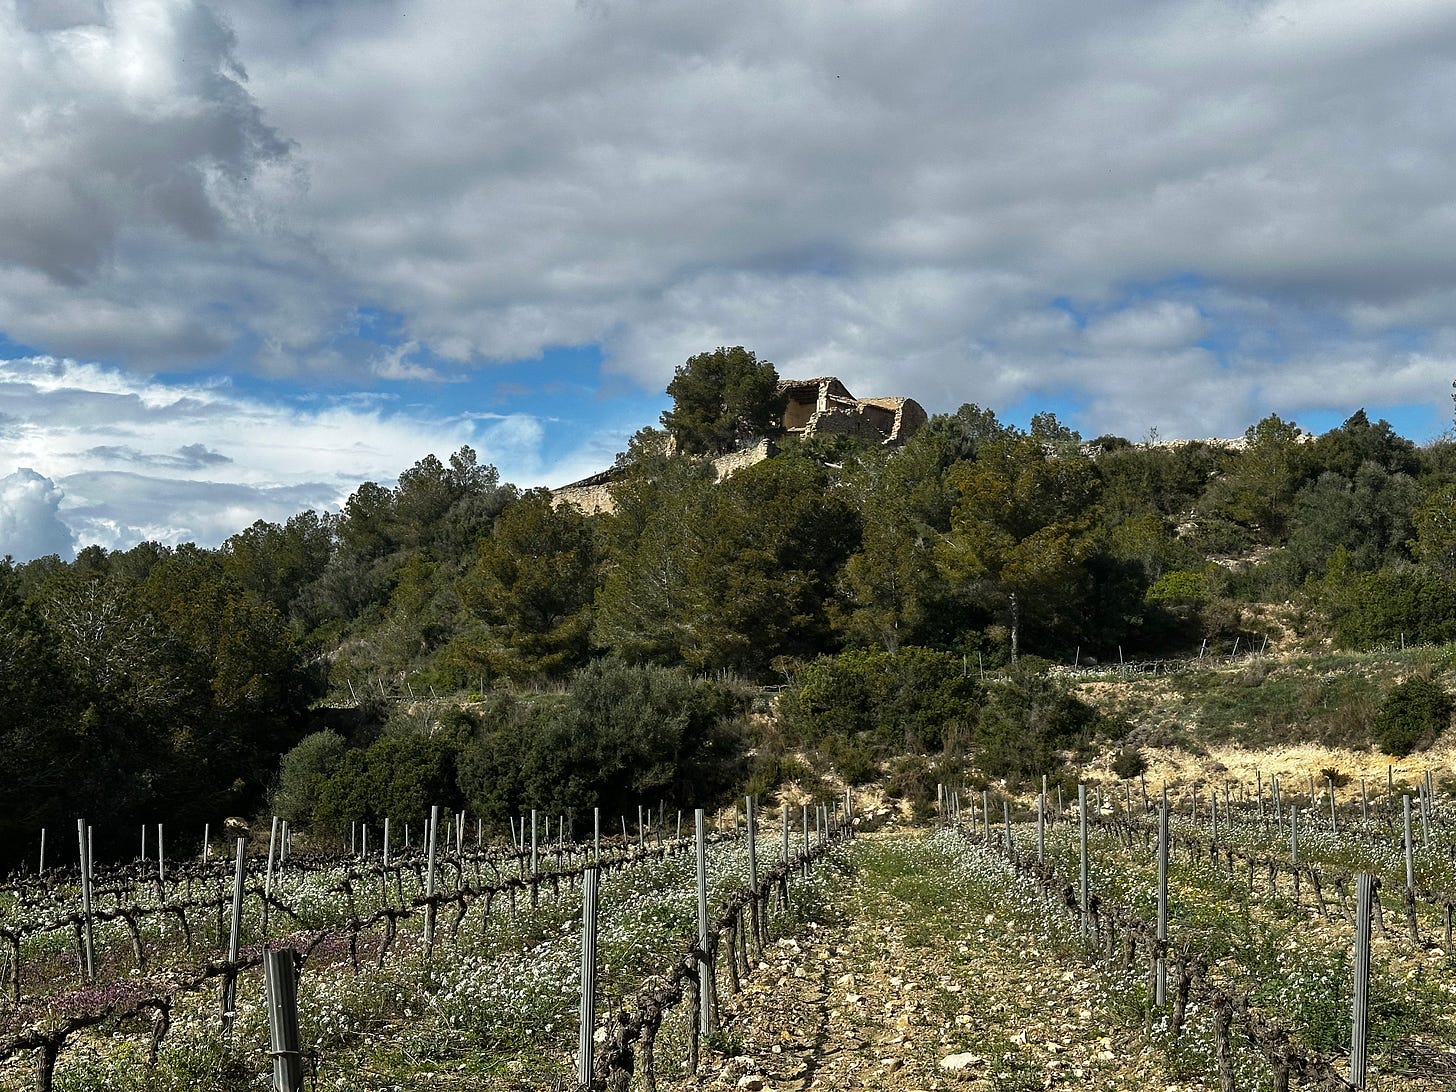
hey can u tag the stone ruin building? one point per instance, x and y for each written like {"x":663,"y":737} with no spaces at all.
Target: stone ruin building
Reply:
{"x":812,"y":407}
{"x":825,"y":407}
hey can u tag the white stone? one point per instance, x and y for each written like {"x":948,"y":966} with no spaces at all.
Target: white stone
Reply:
{"x":954,"y":1063}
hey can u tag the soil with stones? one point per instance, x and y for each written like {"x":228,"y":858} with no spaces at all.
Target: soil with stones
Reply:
{"x":911,"y":989}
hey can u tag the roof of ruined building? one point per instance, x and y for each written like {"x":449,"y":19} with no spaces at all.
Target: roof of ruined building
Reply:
{"x":817,"y":383}
{"x":884,"y":403}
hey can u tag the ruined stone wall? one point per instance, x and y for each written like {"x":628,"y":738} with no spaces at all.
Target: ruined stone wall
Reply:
{"x":591,"y":499}
{"x":735,"y":461}
{"x":844,"y":422}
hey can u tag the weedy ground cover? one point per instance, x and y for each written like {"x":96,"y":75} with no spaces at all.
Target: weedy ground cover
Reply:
{"x":1290,"y":950}
{"x":494,"y":999}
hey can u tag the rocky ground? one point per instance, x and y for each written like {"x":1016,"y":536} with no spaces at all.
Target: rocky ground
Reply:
{"x":917,"y":986}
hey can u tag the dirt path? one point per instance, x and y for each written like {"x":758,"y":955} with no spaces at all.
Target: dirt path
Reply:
{"x":925,"y":982}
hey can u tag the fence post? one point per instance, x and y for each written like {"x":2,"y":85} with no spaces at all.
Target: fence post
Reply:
{"x":1410,"y":861}
{"x":230,"y":984}
{"x":585,"y":1039}
{"x":1294,"y":840}
{"x":85,"y":853}
{"x":757,"y":925}
{"x":1082,"y":866}
{"x":707,"y":1016}
{"x":804,"y":821}
{"x":1041,"y":828}
{"x":268,"y":880}
{"x":1360,"y":1009}
{"x":280,"y":978}
{"x":1425,"y":814}
{"x":430,"y":877}
{"x":1160,"y":981}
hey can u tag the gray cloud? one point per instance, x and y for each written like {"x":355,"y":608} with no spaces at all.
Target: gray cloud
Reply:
{"x":128,"y":169}
{"x":119,"y":509}
{"x":187,"y":457}
{"x":1117,"y":203}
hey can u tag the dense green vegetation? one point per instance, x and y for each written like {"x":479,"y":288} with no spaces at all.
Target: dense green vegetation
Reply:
{"x":170,"y":680}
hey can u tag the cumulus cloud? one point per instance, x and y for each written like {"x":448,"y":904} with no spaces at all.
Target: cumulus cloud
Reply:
{"x":900,"y":196}
{"x":30,"y":522}
{"x":198,"y":462}
{"x":1113,"y":203}
{"x":127,"y":178}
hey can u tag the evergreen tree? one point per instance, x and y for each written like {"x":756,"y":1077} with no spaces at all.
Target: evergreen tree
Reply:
{"x":722,"y":399}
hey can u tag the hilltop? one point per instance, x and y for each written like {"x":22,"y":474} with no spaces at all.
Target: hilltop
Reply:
{"x":923,"y":594}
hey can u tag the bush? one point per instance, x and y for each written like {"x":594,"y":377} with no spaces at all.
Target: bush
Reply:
{"x":912,"y":700}
{"x":1413,"y":714}
{"x":1409,"y":603}
{"x":1128,"y":763}
{"x":303,"y":773}
{"x":851,"y":759}
{"x":621,"y":735}
{"x":1333,"y":775}
{"x":397,"y":777}
{"x":769,"y":769}
{"x":1025,"y":721}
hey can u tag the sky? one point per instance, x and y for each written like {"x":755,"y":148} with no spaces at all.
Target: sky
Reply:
{"x":255,"y":253}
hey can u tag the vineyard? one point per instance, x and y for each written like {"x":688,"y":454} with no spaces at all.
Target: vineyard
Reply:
{"x":425,"y":970}
{"x":1109,"y":941}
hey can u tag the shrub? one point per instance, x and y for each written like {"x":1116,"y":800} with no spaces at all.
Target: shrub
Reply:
{"x":397,"y":777}
{"x":910,"y":700}
{"x":1332,"y":775}
{"x":620,"y":736}
{"x":1129,"y":763}
{"x":1025,"y":721}
{"x":1413,"y":714}
{"x":851,"y":759}
{"x":303,"y":772}
{"x":1410,"y":603}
